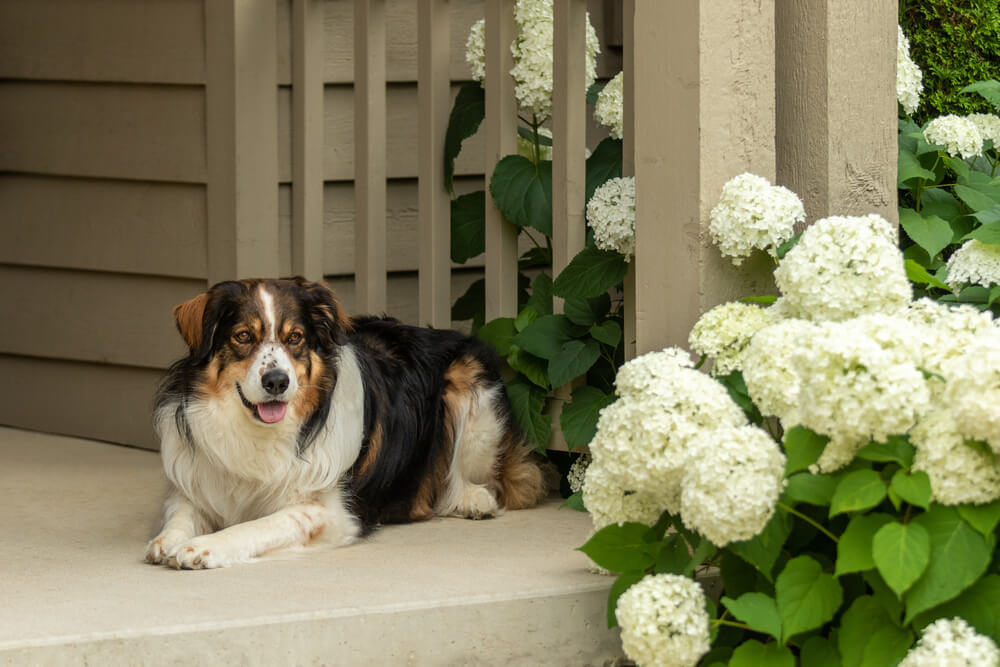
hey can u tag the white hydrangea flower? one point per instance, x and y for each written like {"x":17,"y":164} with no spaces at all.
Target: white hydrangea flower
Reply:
{"x":770,"y":372}
{"x":664,"y":621}
{"x":959,"y":473}
{"x":909,"y":78}
{"x":475,"y":50}
{"x":611,"y":214}
{"x":752,"y":213}
{"x":843,"y":267}
{"x":854,"y":390}
{"x":532,"y":51}
{"x":975,"y":263}
{"x":957,"y":134}
{"x":576,"y":472}
{"x":972,"y":390}
{"x":642,"y":439}
{"x":944,"y":332}
{"x":731,"y":483}
{"x":952,"y":643}
{"x":610,"y":102}
{"x":645,"y":372}
{"x":608,"y":501}
{"x":988,"y":125}
{"x":724,"y":332}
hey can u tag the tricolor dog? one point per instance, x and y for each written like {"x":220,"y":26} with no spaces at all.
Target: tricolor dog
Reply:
{"x":289,"y":422}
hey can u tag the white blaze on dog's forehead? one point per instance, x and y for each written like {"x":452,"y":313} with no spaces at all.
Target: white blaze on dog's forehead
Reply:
{"x":267,"y":305}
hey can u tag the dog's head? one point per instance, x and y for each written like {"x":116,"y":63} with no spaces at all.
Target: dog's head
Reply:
{"x":266,"y":343}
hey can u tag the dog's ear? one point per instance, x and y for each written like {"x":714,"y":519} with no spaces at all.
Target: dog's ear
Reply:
{"x":329,"y":322}
{"x":190,"y":318}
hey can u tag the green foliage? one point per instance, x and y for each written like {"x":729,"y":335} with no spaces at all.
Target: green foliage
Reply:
{"x":465,"y":118}
{"x":955,"y":43}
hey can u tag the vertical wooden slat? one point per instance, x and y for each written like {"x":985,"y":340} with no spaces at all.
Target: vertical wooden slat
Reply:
{"x":628,"y":156}
{"x":501,"y":140}
{"x":369,"y":154}
{"x":241,"y":93}
{"x":307,"y":138}
{"x":569,"y":133}
{"x":432,"y":122}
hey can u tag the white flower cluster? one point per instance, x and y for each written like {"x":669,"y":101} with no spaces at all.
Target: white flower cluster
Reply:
{"x":988,"y":125}
{"x":532,"y":51}
{"x":975,"y":263}
{"x":843,"y":267}
{"x":731,"y":483}
{"x":664,"y":621}
{"x":952,"y":643}
{"x":475,"y":50}
{"x":768,"y":365}
{"x":909,"y":78}
{"x":610,"y":103}
{"x":608,"y":501}
{"x":959,"y":472}
{"x":611,"y":214}
{"x":576,"y":472}
{"x":855,"y":390}
{"x":972,"y":390}
{"x":753,"y":214}
{"x":958,"y":134}
{"x":724,"y":332}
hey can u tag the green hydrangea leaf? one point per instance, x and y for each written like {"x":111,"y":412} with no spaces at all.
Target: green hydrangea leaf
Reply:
{"x":525,"y":318}
{"x":896,"y":448}
{"x":468,"y":226}
{"x":803,"y":447}
{"x":587,"y":312}
{"x":914,"y":487}
{"x":854,"y":550}
{"x":622,"y":584}
{"x":757,"y":610}
{"x":929,"y":232}
{"x":989,"y":90}
{"x":918,"y":274}
{"x":868,"y":636}
{"x":527,"y":401}
{"x":622,"y":547}
{"x":977,"y":605}
{"x":499,"y":333}
{"x":975,"y":198}
{"x":987,"y":233}
{"x":983,"y":518}
{"x":901,"y":553}
{"x":578,"y":418}
{"x":522,"y":191}
{"x":466,"y":116}
{"x":573,"y":360}
{"x":857,"y":491}
{"x":590,"y":273}
{"x":807,"y":488}
{"x":807,"y":597}
{"x":575,"y":502}
{"x":959,"y":556}
{"x":752,"y":653}
{"x":910,"y":168}
{"x":819,"y":652}
{"x":545,"y":336}
{"x":608,"y":332}
{"x":673,"y":557}
{"x":541,"y":294}
{"x":531,"y":367}
{"x":763,"y":550}
{"x":603,"y":164}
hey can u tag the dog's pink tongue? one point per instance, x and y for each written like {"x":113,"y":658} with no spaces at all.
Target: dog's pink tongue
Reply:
{"x":271,"y":412}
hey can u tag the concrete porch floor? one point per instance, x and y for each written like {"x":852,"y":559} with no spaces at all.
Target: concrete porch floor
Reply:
{"x":75,"y":516}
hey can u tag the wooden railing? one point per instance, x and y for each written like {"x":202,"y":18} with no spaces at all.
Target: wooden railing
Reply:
{"x":701,"y":102}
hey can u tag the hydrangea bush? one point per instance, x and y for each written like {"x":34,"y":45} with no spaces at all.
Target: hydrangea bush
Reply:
{"x":545,"y":349}
{"x":837,"y":470}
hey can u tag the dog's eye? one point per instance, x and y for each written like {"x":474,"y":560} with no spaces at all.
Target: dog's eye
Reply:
{"x":294,"y":338}
{"x":242,"y":336}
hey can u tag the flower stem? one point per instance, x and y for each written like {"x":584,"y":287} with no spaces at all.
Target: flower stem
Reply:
{"x":733,"y":624}
{"x":809,"y":520}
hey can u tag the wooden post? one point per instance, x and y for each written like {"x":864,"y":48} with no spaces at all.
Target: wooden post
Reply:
{"x":628,"y":157}
{"x":307,"y":138}
{"x":501,"y":140}
{"x":697,"y":123}
{"x":369,"y":155}
{"x":241,"y":91}
{"x":434,"y":91}
{"x":836,"y":105}
{"x":569,"y":124}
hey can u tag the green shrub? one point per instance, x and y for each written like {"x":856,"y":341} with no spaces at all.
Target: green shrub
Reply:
{"x":955,"y":42}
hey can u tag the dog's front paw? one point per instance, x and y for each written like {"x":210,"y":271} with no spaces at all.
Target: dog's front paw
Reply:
{"x":202,"y":553}
{"x":159,"y":548}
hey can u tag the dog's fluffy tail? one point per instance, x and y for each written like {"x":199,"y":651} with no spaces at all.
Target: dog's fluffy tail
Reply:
{"x":523,"y":481}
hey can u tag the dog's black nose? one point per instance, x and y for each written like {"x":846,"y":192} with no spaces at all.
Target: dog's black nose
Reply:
{"x":275,"y":382}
